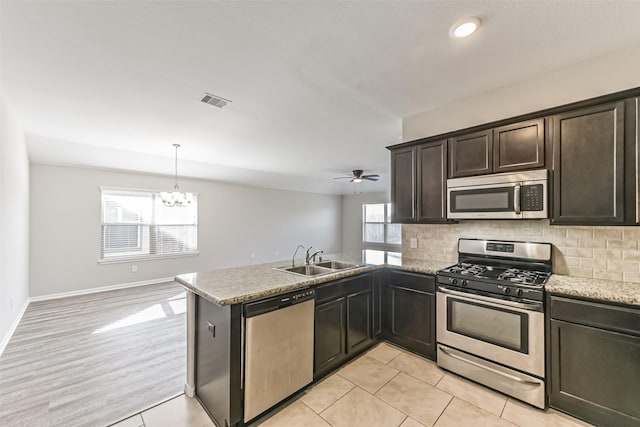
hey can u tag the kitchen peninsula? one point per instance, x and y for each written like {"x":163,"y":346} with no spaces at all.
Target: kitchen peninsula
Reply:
{"x":392,"y":301}
{"x":215,"y":323}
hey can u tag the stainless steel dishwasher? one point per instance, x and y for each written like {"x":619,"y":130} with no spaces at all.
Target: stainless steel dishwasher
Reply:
{"x":278,"y":357}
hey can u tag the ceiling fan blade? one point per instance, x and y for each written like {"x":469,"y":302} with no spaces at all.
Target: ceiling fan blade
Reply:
{"x":369,"y":178}
{"x":343,"y":177}
{"x":375,"y":175}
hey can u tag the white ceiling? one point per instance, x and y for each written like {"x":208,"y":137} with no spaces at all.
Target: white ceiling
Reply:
{"x":318,"y":87}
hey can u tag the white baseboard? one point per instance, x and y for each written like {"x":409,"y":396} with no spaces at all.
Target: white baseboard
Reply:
{"x":101,"y":289}
{"x":14,"y":325}
{"x":12,"y":329}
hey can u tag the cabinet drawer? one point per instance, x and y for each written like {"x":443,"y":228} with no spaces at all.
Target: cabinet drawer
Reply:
{"x":603,"y":316}
{"x":343,"y":287}
{"x":420,"y":282}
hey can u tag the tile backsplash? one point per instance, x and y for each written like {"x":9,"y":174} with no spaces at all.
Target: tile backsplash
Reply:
{"x":598,"y":252}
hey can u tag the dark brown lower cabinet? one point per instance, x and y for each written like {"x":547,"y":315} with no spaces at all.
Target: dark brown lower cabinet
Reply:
{"x":595,"y":361}
{"x":410,"y":312}
{"x":379,"y":280}
{"x":218,"y":360}
{"x":343,"y":323}
{"x":330,"y":335}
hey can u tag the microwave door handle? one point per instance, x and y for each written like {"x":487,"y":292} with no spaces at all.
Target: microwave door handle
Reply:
{"x":516,"y":198}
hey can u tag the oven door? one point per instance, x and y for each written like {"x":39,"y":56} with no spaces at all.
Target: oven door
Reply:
{"x":504,"y":331}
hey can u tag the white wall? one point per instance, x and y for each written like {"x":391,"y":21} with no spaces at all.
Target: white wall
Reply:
{"x":352,"y":218}
{"x":600,"y":76}
{"x":238,"y":225}
{"x":14,"y":219}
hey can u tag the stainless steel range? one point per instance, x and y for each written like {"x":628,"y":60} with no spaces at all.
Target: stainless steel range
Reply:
{"x":490,"y":316}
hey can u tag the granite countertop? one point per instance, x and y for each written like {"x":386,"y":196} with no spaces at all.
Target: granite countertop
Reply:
{"x":597,"y":289}
{"x":240,"y":284}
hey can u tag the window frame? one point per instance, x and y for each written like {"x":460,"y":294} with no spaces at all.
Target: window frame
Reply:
{"x":141,"y":257}
{"x":394,"y":247}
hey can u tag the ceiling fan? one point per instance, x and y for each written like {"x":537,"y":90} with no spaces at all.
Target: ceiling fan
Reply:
{"x":358,"y":177}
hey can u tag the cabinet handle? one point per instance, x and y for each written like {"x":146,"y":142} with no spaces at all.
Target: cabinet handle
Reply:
{"x":212,"y":329}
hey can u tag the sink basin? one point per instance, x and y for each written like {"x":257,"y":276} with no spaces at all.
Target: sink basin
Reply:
{"x":335,"y":265}
{"x":308,"y":270}
{"x":325,"y":267}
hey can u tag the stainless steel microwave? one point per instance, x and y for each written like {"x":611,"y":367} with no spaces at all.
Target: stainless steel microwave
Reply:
{"x":518,"y":195}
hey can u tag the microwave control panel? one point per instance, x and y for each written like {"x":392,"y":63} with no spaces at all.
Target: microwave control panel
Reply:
{"x":531,"y":198}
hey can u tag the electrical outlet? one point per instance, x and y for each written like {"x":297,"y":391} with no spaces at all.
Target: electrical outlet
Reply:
{"x":134,"y":268}
{"x":413,"y":243}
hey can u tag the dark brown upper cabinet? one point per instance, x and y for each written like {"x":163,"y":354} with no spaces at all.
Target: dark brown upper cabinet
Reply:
{"x":513,"y":147}
{"x":471,"y":154}
{"x":403,"y":191}
{"x":591,"y":162}
{"x":519,"y":146}
{"x":592,"y":148}
{"x":432,"y":182}
{"x":418,"y":183}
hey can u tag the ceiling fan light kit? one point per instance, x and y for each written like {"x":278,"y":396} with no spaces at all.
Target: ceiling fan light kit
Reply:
{"x":176,"y":198}
{"x":357,"y":176}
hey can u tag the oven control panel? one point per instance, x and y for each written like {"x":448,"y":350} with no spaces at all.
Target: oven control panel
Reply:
{"x":510,"y":291}
{"x":500,"y":247}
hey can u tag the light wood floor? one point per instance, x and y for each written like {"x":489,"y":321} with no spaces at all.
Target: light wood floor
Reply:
{"x":94,"y":359}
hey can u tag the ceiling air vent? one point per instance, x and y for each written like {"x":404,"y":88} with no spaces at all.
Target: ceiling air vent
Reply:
{"x":216,"y":101}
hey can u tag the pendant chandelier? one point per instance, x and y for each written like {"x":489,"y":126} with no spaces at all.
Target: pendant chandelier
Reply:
{"x":175,"y":197}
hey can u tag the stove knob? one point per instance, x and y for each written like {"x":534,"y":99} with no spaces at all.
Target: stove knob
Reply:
{"x":465,"y":282}
{"x":507,"y":290}
{"x":519,"y":292}
{"x":454,"y":281}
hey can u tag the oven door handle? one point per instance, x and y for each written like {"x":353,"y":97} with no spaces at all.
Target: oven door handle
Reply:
{"x":529,"y":306}
{"x":490,"y":369}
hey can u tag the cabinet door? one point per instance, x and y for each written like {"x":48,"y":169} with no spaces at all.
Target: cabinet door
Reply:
{"x":358,"y":321}
{"x":588,"y":166}
{"x":403,"y":177}
{"x":595,"y":374}
{"x":218,"y":360}
{"x":330,"y":329}
{"x":471,"y":154}
{"x":411,"y":312}
{"x":432,"y":182}
{"x":378,"y":282}
{"x":519,"y":146}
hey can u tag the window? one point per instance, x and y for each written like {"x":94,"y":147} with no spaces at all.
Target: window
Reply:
{"x":377,"y":229}
{"x":136,"y":224}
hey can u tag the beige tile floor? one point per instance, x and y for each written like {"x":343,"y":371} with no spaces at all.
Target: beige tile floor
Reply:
{"x":384,"y":387}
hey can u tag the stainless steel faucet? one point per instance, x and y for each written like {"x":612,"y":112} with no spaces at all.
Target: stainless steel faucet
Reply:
{"x":308,"y":257}
{"x":293,"y":260}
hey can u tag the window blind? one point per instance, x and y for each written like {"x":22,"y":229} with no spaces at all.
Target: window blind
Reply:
{"x":137,"y":224}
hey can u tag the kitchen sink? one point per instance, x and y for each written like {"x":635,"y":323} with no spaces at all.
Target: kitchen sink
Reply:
{"x":307,"y":270}
{"x":321,"y":268}
{"x":335,"y":265}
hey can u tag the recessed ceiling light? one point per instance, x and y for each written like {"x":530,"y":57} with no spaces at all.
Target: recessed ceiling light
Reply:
{"x":464,"y":27}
